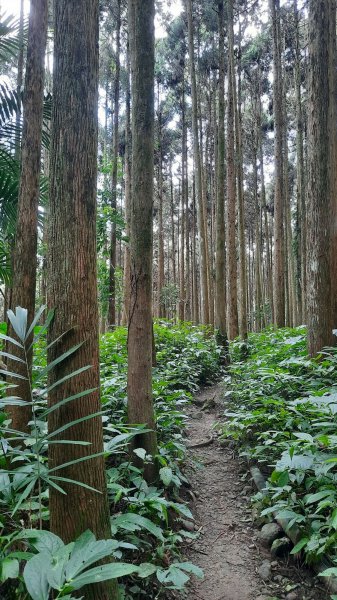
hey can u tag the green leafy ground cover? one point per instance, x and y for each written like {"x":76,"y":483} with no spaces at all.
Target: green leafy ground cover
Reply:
{"x":147,"y":521}
{"x":282,"y":411}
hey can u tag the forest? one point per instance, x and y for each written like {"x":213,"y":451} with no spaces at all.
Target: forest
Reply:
{"x":168,"y":299}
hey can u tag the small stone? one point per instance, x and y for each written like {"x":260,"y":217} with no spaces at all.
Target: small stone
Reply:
{"x":264,"y":571}
{"x":292,"y":596}
{"x":281,"y":547}
{"x":188,"y":525}
{"x":269,"y":533}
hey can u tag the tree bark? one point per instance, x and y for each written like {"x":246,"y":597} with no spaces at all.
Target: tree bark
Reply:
{"x":140,"y":402}
{"x":232,"y":298}
{"x":198,"y":172}
{"x":220,"y":256}
{"x":278,"y":275}
{"x":72,"y":282}
{"x":320,"y":318}
{"x":113,"y":238}
{"x":25,"y":248}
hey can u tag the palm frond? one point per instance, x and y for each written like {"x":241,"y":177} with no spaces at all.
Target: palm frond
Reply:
{"x":10,"y":37}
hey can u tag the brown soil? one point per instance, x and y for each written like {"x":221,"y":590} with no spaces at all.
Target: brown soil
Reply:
{"x":227,"y":549}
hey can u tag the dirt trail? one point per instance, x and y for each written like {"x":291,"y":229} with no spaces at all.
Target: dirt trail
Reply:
{"x":228,"y":550}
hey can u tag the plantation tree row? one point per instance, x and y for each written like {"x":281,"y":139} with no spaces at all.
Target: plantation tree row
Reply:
{"x":214,"y":200}
{"x":235,"y":216}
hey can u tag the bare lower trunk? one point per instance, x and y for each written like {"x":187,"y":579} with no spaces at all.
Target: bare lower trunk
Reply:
{"x":140,"y":402}
{"x":72,"y":281}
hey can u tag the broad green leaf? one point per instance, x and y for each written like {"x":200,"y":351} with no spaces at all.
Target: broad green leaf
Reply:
{"x":146,"y":569}
{"x":140,"y":522}
{"x":312,"y":498}
{"x":140,"y":452}
{"x":35,"y":577}
{"x":43,"y":541}
{"x":301,"y":544}
{"x":9,"y":569}
{"x":166,"y":475}
{"x":86,"y":552}
{"x":56,"y":572}
{"x":331,"y":572}
{"x":103,"y":573}
{"x":191,"y":568}
{"x":333,"y":519}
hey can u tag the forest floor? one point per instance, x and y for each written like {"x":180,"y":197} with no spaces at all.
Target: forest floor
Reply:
{"x":235,"y":564}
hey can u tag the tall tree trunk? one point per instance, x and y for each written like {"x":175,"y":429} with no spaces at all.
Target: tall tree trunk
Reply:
{"x":72,"y":284}
{"x":188,"y":313}
{"x":198,"y":172}
{"x":220,"y":255}
{"x":279,"y":279}
{"x":243,"y":326}
{"x":232,"y":300}
{"x":300,"y":184}
{"x":24,"y":254}
{"x":140,"y":402}
{"x":127,"y":195}
{"x":319,"y":304}
{"x":182,"y":282}
{"x":113,"y":238}
{"x":333,"y":155}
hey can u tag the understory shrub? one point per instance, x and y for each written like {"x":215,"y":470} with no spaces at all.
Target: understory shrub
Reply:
{"x":146,"y":521}
{"x":282,"y":412}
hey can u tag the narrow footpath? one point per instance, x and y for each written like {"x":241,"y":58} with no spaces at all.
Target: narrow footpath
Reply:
{"x":236,"y":564}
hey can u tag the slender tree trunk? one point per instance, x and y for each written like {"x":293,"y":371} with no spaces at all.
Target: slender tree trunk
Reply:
{"x":333,"y":156}
{"x":243,"y":326}
{"x":220,"y":256}
{"x":127,"y":196}
{"x":72,"y":285}
{"x":24,"y":254}
{"x":198,"y":173}
{"x":233,"y":325}
{"x":140,"y":402}
{"x":113,"y":238}
{"x":300,"y":184}
{"x":182,"y":282}
{"x":279,"y":279}
{"x":320,"y":319}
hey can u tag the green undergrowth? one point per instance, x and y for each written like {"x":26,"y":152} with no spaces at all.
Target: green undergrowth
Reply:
{"x":147,"y":522}
{"x":282,"y":412}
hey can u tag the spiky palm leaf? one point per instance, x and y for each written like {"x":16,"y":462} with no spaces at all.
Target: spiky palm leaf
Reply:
{"x":11,"y":38}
